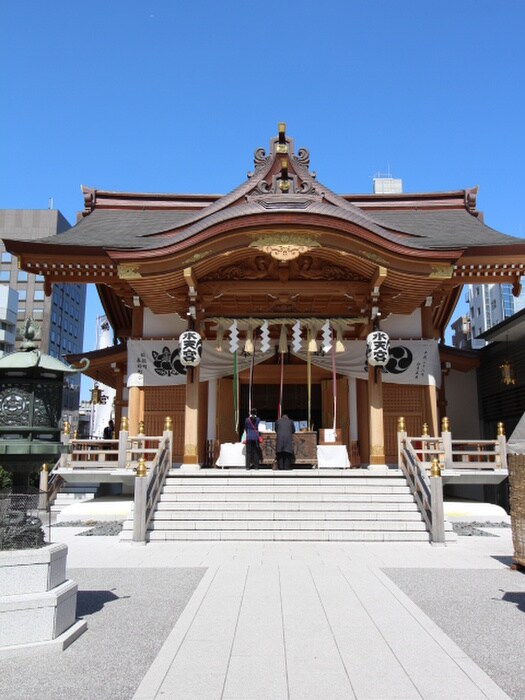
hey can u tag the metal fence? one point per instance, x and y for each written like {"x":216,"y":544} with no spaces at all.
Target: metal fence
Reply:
{"x":20,"y":520}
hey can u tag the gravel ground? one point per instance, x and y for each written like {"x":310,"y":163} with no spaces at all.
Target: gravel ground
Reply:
{"x":130,"y":612}
{"x":481,"y":610}
{"x":469,"y":529}
{"x":101,"y":527}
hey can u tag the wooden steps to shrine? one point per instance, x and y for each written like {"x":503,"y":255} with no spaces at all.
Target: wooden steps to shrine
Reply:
{"x":280,"y":506}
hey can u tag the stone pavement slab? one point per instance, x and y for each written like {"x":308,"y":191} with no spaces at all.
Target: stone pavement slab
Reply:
{"x":310,"y":631}
{"x":305,"y":620}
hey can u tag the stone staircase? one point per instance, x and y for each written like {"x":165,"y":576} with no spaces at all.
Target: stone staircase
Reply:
{"x":327,"y":505}
{"x":70,"y":494}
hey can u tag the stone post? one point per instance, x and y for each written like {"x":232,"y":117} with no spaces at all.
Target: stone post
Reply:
{"x":501,"y":463}
{"x":437,"y":533}
{"x":139,"y":502}
{"x":66,"y":440}
{"x":42,"y":486}
{"x":446,"y":437}
{"x":401,"y":435}
{"x":123,"y":443}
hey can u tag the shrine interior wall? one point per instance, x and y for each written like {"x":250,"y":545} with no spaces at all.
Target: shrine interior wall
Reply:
{"x":462,"y":404}
{"x":162,"y":325}
{"x":403,"y":326}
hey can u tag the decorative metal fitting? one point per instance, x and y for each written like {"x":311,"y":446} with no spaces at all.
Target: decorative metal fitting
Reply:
{"x":501,"y":428}
{"x":67,"y":427}
{"x":401,"y":427}
{"x":284,"y":183}
{"x":435,"y":469}
{"x":168,"y":423}
{"x":445,"y":426}
{"x":44,"y":467}
{"x":425,"y":429}
{"x":141,"y":467}
{"x":282,"y":146}
{"x":124,"y":424}
{"x":141,"y":427}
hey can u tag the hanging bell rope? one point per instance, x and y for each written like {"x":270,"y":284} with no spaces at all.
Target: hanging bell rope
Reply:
{"x":219,"y":337}
{"x":283,"y":339}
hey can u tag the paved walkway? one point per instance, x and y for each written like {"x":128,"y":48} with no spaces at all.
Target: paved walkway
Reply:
{"x":303,"y":620}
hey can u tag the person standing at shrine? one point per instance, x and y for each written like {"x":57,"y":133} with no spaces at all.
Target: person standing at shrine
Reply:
{"x":284,"y":428}
{"x":253,"y":450}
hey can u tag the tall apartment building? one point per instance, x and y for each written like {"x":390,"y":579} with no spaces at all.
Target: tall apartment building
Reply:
{"x":61,"y":315}
{"x":489,"y":304}
{"x":8,"y":312}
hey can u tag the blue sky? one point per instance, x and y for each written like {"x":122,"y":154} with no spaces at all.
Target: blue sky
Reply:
{"x":174,"y":96}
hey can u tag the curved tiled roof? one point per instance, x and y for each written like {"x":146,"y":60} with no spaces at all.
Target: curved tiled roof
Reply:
{"x":127,"y":229}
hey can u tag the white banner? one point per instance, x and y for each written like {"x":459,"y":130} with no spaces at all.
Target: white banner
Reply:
{"x":411,"y":361}
{"x":159,"y":362}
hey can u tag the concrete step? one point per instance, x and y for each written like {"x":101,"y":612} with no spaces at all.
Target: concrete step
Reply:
{"x":391,"y":506}
{"x":164,"y":517}
{"x":285,"y":524}
{"x":250,"y":497}
{"x":282,"y":535}
{"x":286,"y":506}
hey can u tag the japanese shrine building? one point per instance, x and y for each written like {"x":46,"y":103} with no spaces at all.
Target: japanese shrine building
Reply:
{"x":283,"y":280}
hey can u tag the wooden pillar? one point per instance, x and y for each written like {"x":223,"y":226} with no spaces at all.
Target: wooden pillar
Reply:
{"x":375,"y":404}
{"x":191,"y":418}
{"x":135,"y":402}
{"x":119,"y":402}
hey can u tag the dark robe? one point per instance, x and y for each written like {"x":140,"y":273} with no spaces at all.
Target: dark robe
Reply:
{"x":285,"y":428}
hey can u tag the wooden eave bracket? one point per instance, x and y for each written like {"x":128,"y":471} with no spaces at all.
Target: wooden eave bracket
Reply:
{"x":191,"y":281}
{"x":377,"y":280}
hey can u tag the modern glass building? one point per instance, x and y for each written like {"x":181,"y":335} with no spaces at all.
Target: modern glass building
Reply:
{"x":59,"y":314}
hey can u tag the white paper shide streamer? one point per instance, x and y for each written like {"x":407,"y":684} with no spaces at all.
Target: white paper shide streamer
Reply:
{"x":265,"y":337}
{"x":234,"y":337}
{"x":296,"y":336}
{"x":327,"y":337}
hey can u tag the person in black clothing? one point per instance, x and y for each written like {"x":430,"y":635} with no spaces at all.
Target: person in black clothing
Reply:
{"x":109,"y":430}
{"x":285,"y":428}
{"x":253,"y":450}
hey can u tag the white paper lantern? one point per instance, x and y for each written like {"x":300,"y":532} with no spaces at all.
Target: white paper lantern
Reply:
{"x":190,"y":348}
{"x":377,"y":348}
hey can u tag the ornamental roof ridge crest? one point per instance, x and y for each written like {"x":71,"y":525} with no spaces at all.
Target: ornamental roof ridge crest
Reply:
{"x":257,"y":187}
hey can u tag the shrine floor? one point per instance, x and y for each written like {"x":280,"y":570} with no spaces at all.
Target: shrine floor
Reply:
{"x":287,"y":620}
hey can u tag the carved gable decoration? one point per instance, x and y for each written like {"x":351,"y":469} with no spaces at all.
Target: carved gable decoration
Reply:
{"x":260,"y":267}
{"x":308,"y":267}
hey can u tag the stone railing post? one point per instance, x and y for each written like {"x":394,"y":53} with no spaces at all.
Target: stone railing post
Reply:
{"x":168,"y":432}
{"x":66,"y":440}
{"x":139,"y":502}
{"x":123,"y":443}
{"x":401,"y":435}
{"x":437,"y":534}
{"x":501,"y":459}
{"x":43,"y":486}
{"x":446,"y":437}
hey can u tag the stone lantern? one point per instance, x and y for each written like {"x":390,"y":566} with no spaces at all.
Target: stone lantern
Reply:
{"x":31,"y":389}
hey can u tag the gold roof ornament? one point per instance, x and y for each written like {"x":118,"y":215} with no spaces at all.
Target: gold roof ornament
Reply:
{"x":285,"y":246}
